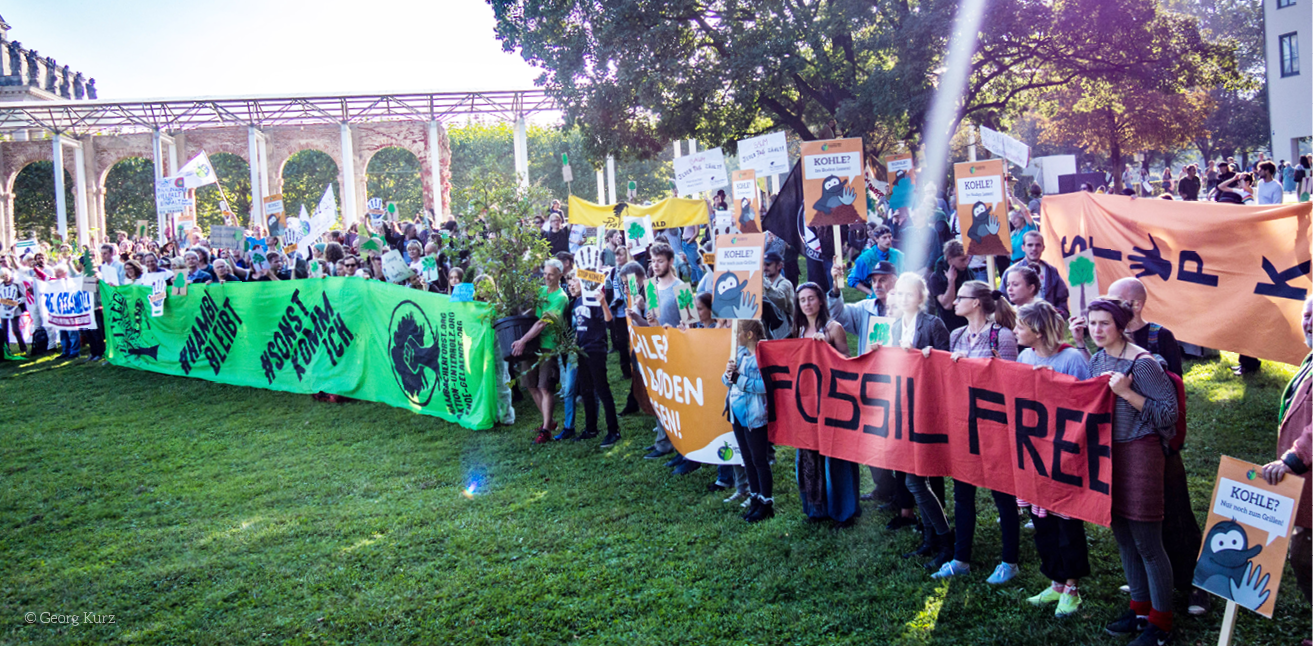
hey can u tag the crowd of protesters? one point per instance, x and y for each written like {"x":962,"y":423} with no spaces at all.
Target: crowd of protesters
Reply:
{"x":907,"y":264}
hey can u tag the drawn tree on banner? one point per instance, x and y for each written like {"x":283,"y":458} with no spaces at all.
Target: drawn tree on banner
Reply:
{"x":1081,"y":274}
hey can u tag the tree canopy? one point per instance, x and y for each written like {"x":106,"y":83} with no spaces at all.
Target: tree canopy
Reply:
{"x":636,"y":74}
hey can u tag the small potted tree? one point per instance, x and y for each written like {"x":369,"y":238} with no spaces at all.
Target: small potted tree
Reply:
{"x":508,"y":250}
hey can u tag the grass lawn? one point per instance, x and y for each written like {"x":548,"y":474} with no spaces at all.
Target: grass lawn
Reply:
{"x":201,"y":513}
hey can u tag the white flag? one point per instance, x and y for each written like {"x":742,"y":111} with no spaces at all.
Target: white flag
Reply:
{"x":198,"y":172}
{"x":320,"y":220}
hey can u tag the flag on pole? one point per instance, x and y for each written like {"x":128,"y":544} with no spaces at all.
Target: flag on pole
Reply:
{"x":198,"y":172}
{"x":320,"y":221}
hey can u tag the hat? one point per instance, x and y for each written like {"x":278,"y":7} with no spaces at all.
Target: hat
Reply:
{"x":883,"y":267}
{"x":774,"y":257}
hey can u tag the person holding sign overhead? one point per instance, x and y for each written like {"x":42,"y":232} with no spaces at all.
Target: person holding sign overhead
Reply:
{"x":827,"y":486}
{"x":1144,"y":420}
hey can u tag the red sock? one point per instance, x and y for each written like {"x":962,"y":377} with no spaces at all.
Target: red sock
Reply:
{"x":1163,"y":620}
{"x":1141,"y":608}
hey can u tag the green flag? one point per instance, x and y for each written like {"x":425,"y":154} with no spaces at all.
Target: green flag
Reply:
{"x":363,"y":339}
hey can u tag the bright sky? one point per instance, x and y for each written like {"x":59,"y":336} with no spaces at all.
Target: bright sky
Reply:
{"x":165,"y":49}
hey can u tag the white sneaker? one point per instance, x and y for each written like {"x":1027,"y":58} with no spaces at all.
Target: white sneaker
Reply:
{"x":738,"y":495}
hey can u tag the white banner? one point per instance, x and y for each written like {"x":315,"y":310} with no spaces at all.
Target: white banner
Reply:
{"x":1001,"y":145}
{"x":320,"y":221}
{"x":170,"y":195}
{"x":767,"y":154}
{"x":700,"y":172}
{"x":198,"y":172}
{"x":64,"y":306}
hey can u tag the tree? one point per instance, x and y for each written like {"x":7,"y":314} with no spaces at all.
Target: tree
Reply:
{"x":306,"y":175}
{"x":393,"y":176}
{"x":34,"y":202}
{"x":635,"y":74}
{"x":1120,"y":119}
{"x":129,"y":197}
{"x":235,"y":176}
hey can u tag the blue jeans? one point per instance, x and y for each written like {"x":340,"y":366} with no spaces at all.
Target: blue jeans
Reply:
{"x":70,"y":342}
{"x":569,"y":389}
{"x":693,"y":252}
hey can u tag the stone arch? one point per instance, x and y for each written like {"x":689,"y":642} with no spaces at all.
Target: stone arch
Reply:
{"x":299,"y":192}
{"x":408,"y":135}
{"x":24,"y":221}
{"x":285,"y":141}
{"x":138,"y":183}
{"x":234,"y":173}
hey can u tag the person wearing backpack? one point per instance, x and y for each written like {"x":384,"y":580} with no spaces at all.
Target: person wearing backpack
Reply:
{"x":987,"y":335}
{"x":1143,"y":423}
{"x":1182,"y":535}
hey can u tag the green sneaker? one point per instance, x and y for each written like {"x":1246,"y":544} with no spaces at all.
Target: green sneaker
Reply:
{"x":1049,"y":595}
{"x":1068,"y":604}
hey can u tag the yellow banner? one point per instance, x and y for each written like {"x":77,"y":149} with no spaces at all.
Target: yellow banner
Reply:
{"x":667,"y":214}
{"x":1223,"y":276}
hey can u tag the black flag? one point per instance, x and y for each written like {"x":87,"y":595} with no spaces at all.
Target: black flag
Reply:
{"x":786,"y":219}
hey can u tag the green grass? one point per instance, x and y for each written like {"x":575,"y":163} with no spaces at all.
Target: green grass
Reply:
{"x":203,"y":513}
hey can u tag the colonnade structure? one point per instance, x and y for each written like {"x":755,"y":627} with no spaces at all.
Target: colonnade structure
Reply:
{"x":89,"y":137}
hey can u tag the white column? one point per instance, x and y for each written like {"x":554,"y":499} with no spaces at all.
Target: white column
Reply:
{"x":601,"y":187}
{"x":435,"y":170}
{"x":610,"y":179}
{"x":678,"y":149}
{"x":971,"y":143}
{"x":261,"y":142}
{"x":157,"y":155}
{"x":692,"y":146}
{"x":173,"y":154}
{"x":80,"y":196}
{"x":521,"y":152}
{"x":253,"y":162}
{"x":61,"y":209}
{"x":348,"y":177}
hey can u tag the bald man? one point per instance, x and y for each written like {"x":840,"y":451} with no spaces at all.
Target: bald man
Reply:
{"x":1181,"y":533}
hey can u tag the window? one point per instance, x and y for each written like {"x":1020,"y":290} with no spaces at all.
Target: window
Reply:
{"x":1289,"y":53}
{"x":1282,"y":4}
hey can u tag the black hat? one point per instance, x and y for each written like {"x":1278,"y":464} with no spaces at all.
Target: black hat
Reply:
{"x":774,"y":257}
{"x":883,"y":267}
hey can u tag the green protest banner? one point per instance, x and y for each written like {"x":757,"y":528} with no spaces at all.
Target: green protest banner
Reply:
{"x":345,"y":336}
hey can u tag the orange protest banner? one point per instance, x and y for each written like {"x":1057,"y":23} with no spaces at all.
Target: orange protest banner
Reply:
{"x":1244,"y":548}
{"x":1223,"y":276}
{"x":1039,"y":435}
{"x":681,"y":372}
{"x":747,"y":205}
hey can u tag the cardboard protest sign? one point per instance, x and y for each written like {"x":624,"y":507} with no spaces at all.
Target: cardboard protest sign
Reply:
{"x":462,"y":293}
{"x":736,"y":282}
{"x":358,"y":338}
{"x":879,"y":330}
{"x":64,"y":305}
{"x":632,"y":293}
{"x":723,"y":224}
{"x":667,"y":214}
{"x":709,"y":259}
{"x":224,"y":237}
{"x":1082,"y":280}
{"x":590,"y":276}
{"x":588,"y":257}
{"x":429,"y":269}
{"x":833,"y":183}
{"x":1222,"y":276}
{"x":395,"y":267}
{"x":1001,"y":145}
{"x":747,"y":202}
{"x":157,"y":298}
{"x":687,"y":302}
{"x":652,"y":296}
{"x":259,"y":260}
{"x":638,"y":234}
{"x":323,"y":217}
{"x":274,"y":215}
{"x":1246,"y":536}
{"x":1039,"y":435}
{"x":184,"y":226}
{"x":901,"y":170}
{"x":982,"y":207}
{"x":700,"y":172}
{"x":171,"y":195}
{"x":681,"y":374}
{"x":141,"y":228}
{"x":765,"y":155}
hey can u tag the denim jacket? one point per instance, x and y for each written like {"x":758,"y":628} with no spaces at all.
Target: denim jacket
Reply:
{"x":747,"y":395}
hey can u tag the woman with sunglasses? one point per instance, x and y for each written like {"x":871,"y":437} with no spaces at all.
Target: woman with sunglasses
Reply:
{"x":827,"y":486}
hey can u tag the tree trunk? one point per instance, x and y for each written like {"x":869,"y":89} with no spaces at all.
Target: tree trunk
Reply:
{"x":1115,"y":160}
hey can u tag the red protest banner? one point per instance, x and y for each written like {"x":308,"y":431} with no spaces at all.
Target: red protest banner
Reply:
{"x":1042,"y":436}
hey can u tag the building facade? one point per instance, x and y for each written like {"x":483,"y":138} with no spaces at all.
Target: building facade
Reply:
{"x":1288,"y":41}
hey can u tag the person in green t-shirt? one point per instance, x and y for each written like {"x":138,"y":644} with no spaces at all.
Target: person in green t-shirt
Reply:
{"x":539,"y":379}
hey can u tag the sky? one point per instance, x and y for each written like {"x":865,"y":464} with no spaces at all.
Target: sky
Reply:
{"x":138,"y":49}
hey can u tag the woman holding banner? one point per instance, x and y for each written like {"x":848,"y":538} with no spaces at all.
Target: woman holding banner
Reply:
{"x":987,"y":335}
{"x":915,"y":329}
{"x":1064,"y":556}
{"x":1144,"y":420}
{"x":827,"y":486}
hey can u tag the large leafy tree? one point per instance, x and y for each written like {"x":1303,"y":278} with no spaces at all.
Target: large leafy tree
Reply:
{"x":235,"y":177}
{"x":305,"y":176}
{"x":635,"y":74}
{"x":130,"y":196}
{"x":394,"y":176}
{"x":34,"y":203}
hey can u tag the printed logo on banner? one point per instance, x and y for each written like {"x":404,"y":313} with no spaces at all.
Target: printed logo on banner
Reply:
{"x":131,"y":327}
{"x":424,"y":355}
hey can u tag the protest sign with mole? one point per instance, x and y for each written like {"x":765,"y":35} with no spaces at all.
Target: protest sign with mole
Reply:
{"x":982,"y":207}
{"x":747,"y":204}
{"x":736,"y":282}
{"x":833,"y":183}
{"x":1245,"y":538}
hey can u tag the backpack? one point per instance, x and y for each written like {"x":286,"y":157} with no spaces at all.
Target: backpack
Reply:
{"x":994,"y":329}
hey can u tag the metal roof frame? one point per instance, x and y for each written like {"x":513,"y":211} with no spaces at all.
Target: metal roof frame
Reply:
{"x":78,"y":118}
